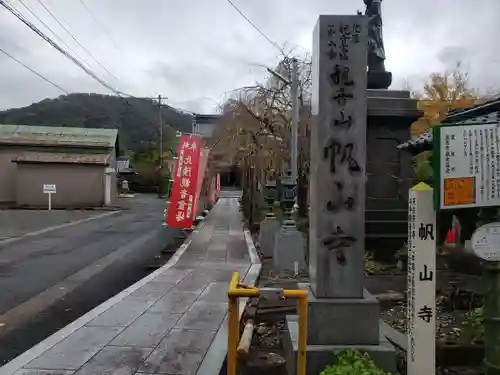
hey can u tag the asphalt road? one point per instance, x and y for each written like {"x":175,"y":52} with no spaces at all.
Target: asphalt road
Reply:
{"x":50,"y":280}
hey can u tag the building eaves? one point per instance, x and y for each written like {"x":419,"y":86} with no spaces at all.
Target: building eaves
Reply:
{"x":58,"y":136}
{"x":62,"y":158}
{"x":488,"y":112}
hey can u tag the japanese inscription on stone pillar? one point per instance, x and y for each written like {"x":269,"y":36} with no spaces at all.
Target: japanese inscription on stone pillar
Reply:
{"x":338,"y":144}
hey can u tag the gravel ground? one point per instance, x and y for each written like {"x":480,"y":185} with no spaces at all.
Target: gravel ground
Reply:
{"x":448,"y":324}
{"x":267,"y":351}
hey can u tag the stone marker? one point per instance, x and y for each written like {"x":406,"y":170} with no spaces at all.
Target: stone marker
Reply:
{"x":270,"y":225}
{"x":268,"y":229}
{"x":289,"y":250}
{"x":341,"y":313}
{"x":289,"y":243}
{"x":421,"y":352}
{"x":338,"y":157}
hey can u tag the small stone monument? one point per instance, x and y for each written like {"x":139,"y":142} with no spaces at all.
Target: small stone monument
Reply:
{"x":270,"y":225}
{"x":342,"y":314}
{"x":289,"y":244}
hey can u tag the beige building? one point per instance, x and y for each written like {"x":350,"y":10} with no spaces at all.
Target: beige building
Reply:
{"x":80,"y":162}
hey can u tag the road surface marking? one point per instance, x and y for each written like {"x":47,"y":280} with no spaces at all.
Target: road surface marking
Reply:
{"x":55,"y":227}
{"x":42,"y":301}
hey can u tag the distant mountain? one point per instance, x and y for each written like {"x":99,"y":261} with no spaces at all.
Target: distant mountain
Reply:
{"x":136,"y":119}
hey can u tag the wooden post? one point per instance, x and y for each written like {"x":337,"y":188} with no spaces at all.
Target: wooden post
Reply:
{"x":421,"y":307}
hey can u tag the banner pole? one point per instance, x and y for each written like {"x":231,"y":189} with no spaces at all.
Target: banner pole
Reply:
{"x":161,"y":237}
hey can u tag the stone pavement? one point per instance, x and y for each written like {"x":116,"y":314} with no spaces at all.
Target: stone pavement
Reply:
{"x":171,"y":322}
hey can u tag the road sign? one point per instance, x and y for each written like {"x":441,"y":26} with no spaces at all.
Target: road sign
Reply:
{"x":486,"y":242}
{"x":467,"y":165}
{"x":49,"y":188}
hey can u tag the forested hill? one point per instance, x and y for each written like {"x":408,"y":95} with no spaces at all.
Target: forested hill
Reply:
{"x":137,"y":131}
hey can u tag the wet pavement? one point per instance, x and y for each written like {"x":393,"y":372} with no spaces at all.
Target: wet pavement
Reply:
{"x":171,"y":322}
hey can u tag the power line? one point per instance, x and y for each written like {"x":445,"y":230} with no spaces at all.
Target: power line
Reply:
{"x":255,"y":27}
{"x":88,"y":71}
{"x":50,"y":30}
{"x":33,"y":71}
{"x":74,"y":38}
{"x":99,"y":23}
{"x":56,"y":46}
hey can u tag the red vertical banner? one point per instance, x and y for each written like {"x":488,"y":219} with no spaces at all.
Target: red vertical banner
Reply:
{"x":204,"y":152}
{"x":182,"y":199}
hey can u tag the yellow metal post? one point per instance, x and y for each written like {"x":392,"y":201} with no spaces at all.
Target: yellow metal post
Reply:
{"x":302,"y":347}
{"x":236,"y":291}
{"x":232,"y":321}
{"x":232,"y":337}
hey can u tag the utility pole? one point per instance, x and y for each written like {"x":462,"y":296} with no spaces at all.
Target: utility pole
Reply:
{"x":160,"y":124}
{"x":161,"y":130}
{"x":293,"y":81}
{"x":295,"y":118}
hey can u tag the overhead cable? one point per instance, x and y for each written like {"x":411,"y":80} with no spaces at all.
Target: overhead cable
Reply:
{"x":274,"y":44}
{"x":33,"y":71}
{"x":75,"y":39}
{"x":88,"y":71}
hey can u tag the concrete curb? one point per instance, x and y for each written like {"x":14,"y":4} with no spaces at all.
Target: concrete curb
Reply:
{"x":252,"y":251}
{"x":29,"y":355}
{"x":394,"y":336}
{"x":51,"y":295}
{"x":56,"y":227}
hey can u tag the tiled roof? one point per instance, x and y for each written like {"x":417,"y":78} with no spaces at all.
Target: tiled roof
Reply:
{"x":57,"y":136}
{"x":62,"y":158}
{"x":426,"y":138}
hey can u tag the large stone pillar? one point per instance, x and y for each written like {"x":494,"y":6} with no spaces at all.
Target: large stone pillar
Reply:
{"x":341,"y":312}
{"x":338,"y":157}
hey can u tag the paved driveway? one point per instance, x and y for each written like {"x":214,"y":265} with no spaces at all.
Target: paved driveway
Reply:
{"x":16,"y":223}
{"x":83,"y":263}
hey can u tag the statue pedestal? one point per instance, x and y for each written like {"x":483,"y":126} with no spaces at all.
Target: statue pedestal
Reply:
{"x":379,"y":80}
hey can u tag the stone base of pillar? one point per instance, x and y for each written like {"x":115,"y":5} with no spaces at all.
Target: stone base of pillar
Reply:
{"x":320,"y":356}
{"x":268,"y":229}
{"x":289,"y":249}
{"x":346,"y":321}
{"x":336,"y":324}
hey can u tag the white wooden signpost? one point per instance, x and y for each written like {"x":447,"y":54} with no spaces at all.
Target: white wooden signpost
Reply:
{"x":467,"y":165}
{"x":421,"y":304}
{"x":49,"y":189}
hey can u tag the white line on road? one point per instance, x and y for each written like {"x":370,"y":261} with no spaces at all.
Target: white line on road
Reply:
{"x":60,"y":335}
{"x":23,"y":312}
{"x":55,"y":227}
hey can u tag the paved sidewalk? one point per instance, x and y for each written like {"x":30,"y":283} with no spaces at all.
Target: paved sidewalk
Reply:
{"x":171,"y":322}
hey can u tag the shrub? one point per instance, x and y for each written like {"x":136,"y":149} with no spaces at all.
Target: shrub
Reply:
{"x":473,"y":326}
{"x":352,"y":362}
{"x":372,"y":267}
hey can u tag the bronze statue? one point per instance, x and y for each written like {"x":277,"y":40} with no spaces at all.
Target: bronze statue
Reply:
{"x":378,"y":77}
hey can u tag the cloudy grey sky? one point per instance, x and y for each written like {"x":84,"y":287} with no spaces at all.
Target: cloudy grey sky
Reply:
{"x":196,"y":51}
